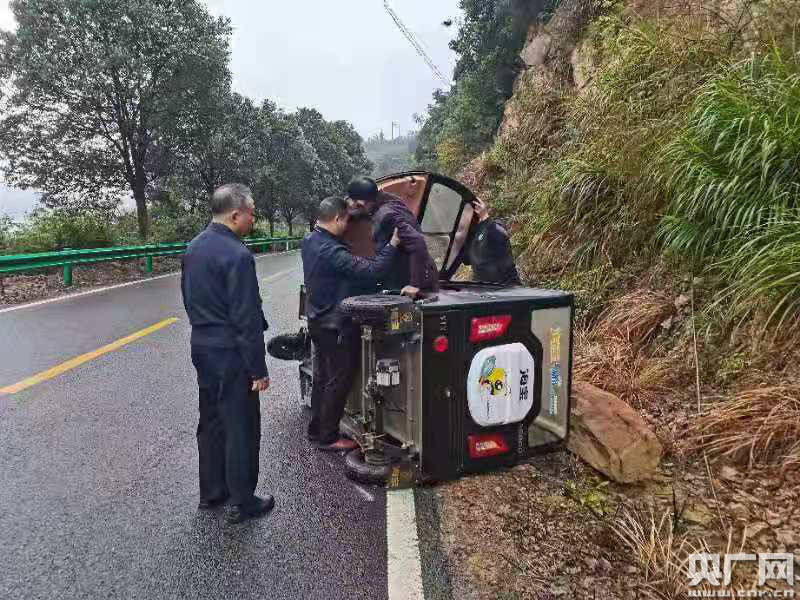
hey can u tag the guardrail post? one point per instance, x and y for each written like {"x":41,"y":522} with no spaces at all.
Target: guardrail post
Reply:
{"x":287,"y":245}
{"x":149,"y":265}
{"x":67,"y":271}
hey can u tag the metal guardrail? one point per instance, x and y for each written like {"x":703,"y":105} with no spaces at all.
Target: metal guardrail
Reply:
{"x":14,"y":263}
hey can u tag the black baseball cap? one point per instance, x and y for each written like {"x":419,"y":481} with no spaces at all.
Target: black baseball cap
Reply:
{"x":362,"y":188}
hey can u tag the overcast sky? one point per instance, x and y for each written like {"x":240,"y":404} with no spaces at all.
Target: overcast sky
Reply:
{"x":345,"y":58}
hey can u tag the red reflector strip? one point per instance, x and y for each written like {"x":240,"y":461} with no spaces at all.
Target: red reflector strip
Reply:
{"x":481,"y":446}
{"x":488,"y":328}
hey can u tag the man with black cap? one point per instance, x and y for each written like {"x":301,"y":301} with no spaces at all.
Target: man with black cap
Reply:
{"x":332,"y":273}
{"x":414,"y":270}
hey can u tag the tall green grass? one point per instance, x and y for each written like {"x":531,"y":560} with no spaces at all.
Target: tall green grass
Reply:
{"x":733,"y":176}
{"x":597,"y":184}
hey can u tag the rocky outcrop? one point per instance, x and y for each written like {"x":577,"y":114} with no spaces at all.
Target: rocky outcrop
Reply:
{"x":552,"y":61}
{"x":550,"y":46}
{"x":611,"y":436}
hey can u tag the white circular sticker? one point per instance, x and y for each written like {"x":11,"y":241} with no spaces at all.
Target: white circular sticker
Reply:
{"x":500,"y":385}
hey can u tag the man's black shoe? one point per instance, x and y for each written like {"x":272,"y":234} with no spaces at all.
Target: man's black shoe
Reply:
{"x":212,"y":503}
{"x":253,"y":510}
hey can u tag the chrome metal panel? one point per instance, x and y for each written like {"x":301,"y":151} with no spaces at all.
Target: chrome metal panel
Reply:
{"x":403,"y":405}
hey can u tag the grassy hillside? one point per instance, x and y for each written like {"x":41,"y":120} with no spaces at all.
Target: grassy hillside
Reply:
{"x":649,"y":161}
{"x":677,"y":162}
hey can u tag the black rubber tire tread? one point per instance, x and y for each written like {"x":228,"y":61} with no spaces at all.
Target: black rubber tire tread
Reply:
{"x":358,"y":470}
{"x":289,"y":346}
{"x":373,"y":306}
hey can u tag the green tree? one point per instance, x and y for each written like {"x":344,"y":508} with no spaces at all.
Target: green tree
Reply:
{"x":353,"y":144}
{"x":97,"y":87}
{"x":6,"y":232}
{"x":274,"y":133}
{"x":290,"y":173}
{"x":463,"y":121}
{"x":224,"y":146}
{"x":337,"y":146}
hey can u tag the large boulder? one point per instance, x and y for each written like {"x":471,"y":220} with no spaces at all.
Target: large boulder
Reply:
{"x":534,"y":54}
{"x":611,"y":436}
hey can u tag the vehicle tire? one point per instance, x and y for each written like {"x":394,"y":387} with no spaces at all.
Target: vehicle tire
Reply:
{"x":290,"y":346}
{"x":373,"y":307}
{"x":358,"y":469}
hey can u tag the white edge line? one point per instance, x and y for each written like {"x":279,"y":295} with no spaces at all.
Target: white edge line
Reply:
{"x":110,"y":287}
{"x":404,"y":568}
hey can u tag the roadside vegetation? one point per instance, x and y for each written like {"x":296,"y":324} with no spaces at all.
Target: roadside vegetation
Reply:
{"x":47,"y":230}
{"x":106,"y":100}
{"x":462,"y":121}
{"x":654,"y":170}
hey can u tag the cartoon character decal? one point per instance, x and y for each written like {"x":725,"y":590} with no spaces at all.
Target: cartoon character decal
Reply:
{"x":499,"y":389}
{"x":493,"y":383}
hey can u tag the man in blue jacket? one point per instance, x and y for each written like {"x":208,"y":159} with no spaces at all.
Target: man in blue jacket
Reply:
{"x":222,"y":299}
{"x":332,"y":273}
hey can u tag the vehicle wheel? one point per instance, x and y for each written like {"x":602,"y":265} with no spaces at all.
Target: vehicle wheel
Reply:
{"x":290,"y":346}
{"x":373,"y":307}
{"x":358,"y":469}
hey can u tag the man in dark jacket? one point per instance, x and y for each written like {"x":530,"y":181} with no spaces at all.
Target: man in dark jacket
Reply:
{"x":223,"y":302}
{"x":331,"y":273}
{"x":414,"y":270}
{"x":486,"y":247}
{"x":488,"y":250}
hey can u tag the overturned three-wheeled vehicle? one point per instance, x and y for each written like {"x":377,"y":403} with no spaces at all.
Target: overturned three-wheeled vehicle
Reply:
{"x":474,"y":377}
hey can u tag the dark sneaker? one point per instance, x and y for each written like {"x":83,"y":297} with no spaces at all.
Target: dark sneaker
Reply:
{"x":340,"y":445}
{"x":253,"y":510}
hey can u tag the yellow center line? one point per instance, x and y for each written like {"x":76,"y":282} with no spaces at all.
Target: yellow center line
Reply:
{"x":79,"y":360}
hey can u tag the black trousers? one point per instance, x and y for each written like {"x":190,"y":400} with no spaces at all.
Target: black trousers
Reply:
{"x":336,"y":357}
{"x":229,"y":430}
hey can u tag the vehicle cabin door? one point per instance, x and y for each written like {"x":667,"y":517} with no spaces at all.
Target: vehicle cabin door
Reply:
{"x":447,"y":215}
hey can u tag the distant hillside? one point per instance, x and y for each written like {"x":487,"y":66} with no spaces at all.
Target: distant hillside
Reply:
{"x":391,"y":156}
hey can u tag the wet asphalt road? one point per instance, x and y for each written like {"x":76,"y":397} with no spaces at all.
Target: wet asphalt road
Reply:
{"x":98,"y":483}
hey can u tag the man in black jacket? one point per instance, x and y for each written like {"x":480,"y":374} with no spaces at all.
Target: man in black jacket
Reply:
{"x":332,"y":273}
{"x":486,"y":248}
{"x":414,"y":270}
{"x":223,"y":302}
{"x":489,"y":250}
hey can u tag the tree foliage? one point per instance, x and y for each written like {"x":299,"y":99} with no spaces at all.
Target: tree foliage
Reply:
{"x":462,"y":122}
{"x":97,"y":86}
{"x":105,"y":98}
{"x":226,"y":144}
